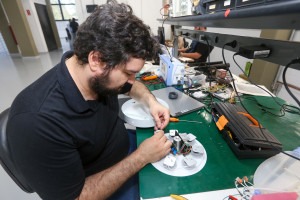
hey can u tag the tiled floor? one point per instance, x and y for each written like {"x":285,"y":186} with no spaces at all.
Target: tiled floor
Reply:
{"x":15,"y":74}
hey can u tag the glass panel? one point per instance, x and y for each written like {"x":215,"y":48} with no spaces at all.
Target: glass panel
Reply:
{"x":54,"y":1}
{"x":69,"y":11}
{"x":67,"y":1}
{"x":56,"y":12}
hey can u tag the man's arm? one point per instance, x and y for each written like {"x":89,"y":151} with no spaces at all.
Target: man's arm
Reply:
{"x":160,"y":113}
{"x":194,"y":55}
{"x":105,"y":183}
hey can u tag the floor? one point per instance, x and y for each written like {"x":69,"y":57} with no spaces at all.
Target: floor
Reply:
{"x":15,"y":74}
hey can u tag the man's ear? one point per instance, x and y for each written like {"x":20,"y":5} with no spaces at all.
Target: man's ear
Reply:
{"x":95,"y":63}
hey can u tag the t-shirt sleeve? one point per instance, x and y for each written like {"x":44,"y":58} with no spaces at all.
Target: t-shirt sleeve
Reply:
{"x":202,"y":49}
{"x":46,"y":155}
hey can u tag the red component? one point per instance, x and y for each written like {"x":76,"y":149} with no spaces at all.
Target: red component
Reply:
{"x":232,"y":197}
{"x":28,"y":12}
{"x":227,"y":12}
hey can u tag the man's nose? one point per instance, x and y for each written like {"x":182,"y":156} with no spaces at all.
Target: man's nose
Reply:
{"x":131,"y":79}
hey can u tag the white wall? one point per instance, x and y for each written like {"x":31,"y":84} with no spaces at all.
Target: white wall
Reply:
{"x":148,"y":11}
{"x":34,"y":24}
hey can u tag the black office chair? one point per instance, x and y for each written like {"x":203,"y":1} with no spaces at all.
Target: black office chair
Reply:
{"x":5,"y":158}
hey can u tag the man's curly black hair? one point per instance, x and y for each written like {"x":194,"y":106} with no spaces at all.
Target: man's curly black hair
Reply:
{"x":117,"y":34}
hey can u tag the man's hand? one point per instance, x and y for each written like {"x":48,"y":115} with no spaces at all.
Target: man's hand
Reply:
{"x":154,"y":148}
{"x":161,"y":115}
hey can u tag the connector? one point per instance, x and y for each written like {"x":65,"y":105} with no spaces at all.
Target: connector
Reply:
{"x":203,"y":37}
{"x":232,"y":44}
{"x":253,"y":52}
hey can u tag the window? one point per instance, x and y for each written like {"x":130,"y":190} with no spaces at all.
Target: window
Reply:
{"x":63,"y":10}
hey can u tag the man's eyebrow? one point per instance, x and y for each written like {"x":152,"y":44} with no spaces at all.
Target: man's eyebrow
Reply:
{"x":132,"y":71}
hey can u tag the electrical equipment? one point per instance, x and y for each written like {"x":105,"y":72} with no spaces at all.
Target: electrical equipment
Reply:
{"x":91,"y":8}
{"x":180,"y":8}
{"x":253,"y":52}
{"x":171,"y":71}
{"x":211,"y":6}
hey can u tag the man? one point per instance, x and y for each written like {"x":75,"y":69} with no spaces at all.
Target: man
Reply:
{"x":64,"y":132}
{"x":197,"y":50}
{"x":74,"y":27}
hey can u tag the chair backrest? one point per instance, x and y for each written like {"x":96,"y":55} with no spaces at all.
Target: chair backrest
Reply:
{"x":5,"y":158}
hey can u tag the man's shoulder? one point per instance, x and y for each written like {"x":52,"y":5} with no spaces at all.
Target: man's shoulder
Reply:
{"x":34,"y":95}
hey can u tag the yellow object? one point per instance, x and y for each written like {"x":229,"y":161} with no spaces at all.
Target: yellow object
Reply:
{"x":178,"y":197}
{"x":173,"y":119}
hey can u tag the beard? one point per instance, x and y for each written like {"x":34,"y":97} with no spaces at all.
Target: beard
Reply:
{"x":99,"y":85}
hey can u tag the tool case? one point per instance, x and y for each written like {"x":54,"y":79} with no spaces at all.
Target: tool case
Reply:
{"x":243,"y":133}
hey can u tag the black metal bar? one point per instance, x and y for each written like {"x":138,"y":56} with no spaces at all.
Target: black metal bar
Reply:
{"x":282,"y":52}
{"x":280,"y":15}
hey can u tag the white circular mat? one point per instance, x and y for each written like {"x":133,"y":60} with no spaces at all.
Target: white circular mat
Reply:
{"x":180,"y":168}
{"x":138,"y":115}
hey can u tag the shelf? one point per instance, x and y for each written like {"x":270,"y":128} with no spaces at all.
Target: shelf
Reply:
{"x":280,"y":15}
{"x":282,"y":52}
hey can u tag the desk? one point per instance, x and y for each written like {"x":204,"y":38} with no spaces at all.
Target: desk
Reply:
{"x":222,"y":166}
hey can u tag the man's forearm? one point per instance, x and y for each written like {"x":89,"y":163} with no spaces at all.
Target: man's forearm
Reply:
{"x":191,"y":55}
{"x":105,"y":183}
{"x":141,"y":93}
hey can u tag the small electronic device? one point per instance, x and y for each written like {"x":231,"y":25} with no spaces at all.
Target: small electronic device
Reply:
{"x":169,"y":161}
{"x":172,"y":70}
{"x":197,"y":149}
{"x":173,"y":132}
{"x":191,"y":137}
{"x":253,"y":52}
{"x":189,"y":161}
{"x":173,"y":95}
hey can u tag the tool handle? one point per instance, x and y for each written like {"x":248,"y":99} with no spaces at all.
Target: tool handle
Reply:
{"x":173,"y":119}
{"x":147,"y":78}
{"x":255,"y":122}
{"x":178,"y":197}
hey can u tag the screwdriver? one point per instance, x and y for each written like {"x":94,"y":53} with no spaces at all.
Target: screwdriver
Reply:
{"x":173,"y":119}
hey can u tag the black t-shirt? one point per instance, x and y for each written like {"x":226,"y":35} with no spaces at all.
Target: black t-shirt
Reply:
{"x":57,"y":139}
{"x":201,"y":48}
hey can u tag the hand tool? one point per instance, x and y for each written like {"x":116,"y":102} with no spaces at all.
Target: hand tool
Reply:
{"x":178,"y":197}
{"x":173,"y":119}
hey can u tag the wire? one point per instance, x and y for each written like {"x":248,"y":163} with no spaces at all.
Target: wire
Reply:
{"x":259,"y":124}
{"x":166,"y":6}
{"x":210,"y":79}
{"x":284,"y":107}
{"x":163,"y":33}
{"x":284,"y":79}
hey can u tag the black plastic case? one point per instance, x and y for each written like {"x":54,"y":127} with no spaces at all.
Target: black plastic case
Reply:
{"x":243,"y":135}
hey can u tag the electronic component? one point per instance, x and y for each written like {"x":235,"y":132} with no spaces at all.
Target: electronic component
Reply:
{"x":173,"y":132}
{"x":173,"y":95}
{"x":172,"y":70}
{"x":253,"y":52}
{"x":177,"y":141}
{"x":191,"y":137}
{"x":169,"y":161}
{"x":197,"y":149}
{"x":189,"y":161}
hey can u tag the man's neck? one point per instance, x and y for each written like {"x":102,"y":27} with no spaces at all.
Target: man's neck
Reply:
{"x":80,"y":76}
